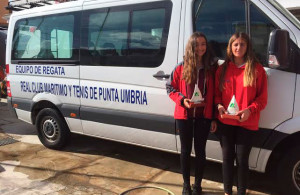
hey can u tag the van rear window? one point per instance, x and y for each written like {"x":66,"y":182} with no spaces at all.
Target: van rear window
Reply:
{"x":45,"y":38}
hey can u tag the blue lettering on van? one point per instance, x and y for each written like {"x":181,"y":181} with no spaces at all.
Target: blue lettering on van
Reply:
{"x":134,"y":96}
{"x":93,"y":93}
{"x":25,"y":87}
{"x":40,"y":70}
{"x":128,"y":96}
{"x":38,"y":87}
{"x":81,"y":91}
{"x":123,"y":95}
{"x":53,"y":70}
{"x":24,"y":69}
{"x":116,"y":96}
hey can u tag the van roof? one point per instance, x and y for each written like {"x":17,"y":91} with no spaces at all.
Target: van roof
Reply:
{"x":48,"y":8}
{"x":52,"y":7}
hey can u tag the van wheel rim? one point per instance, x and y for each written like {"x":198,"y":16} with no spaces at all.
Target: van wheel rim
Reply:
{"x":296,"y":175}
{"x":50,"y":129}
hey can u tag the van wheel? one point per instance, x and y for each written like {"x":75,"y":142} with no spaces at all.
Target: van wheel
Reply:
{"x":52,"y":130}
{"x":288,"y":172}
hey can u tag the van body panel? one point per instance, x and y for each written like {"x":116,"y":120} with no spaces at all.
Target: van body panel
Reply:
{"x":263,"y":160}
{"x":188,"y":22}
{"x":181,"y":30}
{"x":40,"y":88}
{"x":11,"y":109}
{"x":213,"y":149}
{"x":24,"y":115}
{"x":278,"y":109}
{"x":297,"y":99}
{"x":289,"y":127}
{"x":47,"y":97}
{"x":128,"y":90}
{"x":74,"y":124}
{"x":158,"y":140}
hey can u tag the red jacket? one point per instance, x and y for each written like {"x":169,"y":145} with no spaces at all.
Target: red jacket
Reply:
{"x":254,"y":98}
{"x":177,"y":91}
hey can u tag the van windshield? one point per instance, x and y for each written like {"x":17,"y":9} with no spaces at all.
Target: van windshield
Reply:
{"x":285,"y":12}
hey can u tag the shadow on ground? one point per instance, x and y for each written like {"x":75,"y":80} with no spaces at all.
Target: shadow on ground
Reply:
{"x":158,"y":159}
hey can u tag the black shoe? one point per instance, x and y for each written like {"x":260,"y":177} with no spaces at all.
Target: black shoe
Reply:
{"x":186,"y":190}
{"x":197,"y":190}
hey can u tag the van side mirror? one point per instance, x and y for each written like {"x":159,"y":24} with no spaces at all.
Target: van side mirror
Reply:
{"x":279,"y":49}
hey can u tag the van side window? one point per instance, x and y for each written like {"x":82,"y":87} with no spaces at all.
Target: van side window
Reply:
{"x":260,"y":28}
{"x":61,"y":43}
{"x":45,"y":38}
{"x":146,"y":33}
{"x":218,"y":20}
{"x":107,"y":33}
{"x":130,"y":36}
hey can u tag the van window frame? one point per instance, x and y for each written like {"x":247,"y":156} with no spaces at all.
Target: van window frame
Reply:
{"x":286,"y":13}
{"x":166,"y":5}
{"x":294,"y":48}
{"x":63,"y":61}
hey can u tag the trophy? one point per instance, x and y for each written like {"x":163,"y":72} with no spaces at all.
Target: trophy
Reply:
{"x":197,"y":100}
{"x":233,"y":109}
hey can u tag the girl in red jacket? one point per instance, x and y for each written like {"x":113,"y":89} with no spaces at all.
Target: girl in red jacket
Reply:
{"x":196,"y":72}
{"x":242,"y":78}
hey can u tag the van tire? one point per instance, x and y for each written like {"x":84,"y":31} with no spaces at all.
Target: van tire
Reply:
{"x":288,"y":172}
{"x":52,"y":130}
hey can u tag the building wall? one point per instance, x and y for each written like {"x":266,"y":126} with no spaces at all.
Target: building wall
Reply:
{"x":3,"y":11}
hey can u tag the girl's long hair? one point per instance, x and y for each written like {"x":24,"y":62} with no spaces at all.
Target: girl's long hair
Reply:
{"x":189,"y":74}
{"x":249,"y":58}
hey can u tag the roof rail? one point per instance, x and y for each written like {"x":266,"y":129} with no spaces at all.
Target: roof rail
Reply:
{"x":18,"y":5}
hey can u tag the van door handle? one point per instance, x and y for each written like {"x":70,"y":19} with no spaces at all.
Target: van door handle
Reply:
{"x":160,"y":75}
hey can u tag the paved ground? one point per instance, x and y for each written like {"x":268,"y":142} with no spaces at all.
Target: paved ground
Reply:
{"x":94,"y":166}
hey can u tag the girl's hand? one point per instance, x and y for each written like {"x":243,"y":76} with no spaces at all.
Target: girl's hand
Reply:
{"x":221,"y":109}
{"x":186,"y":103}
{"x":244,"y":115}
{"x":213,"y":126}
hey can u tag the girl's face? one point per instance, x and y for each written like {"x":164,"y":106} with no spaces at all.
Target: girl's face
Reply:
{"x":200,"y":46}
{"x":239,"y":48}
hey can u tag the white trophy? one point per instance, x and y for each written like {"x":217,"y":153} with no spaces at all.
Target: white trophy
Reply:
{"x":197,"y":100}
{"x":232,"y":110}
{"x":197,"y":96}
{"x":233,"y":107}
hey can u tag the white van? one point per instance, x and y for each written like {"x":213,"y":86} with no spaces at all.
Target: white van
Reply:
{"x":99,"y":68}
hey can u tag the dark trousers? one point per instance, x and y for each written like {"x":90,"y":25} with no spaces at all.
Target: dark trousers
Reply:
{"x":189,"y":129}
{"x":236,"y":145}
